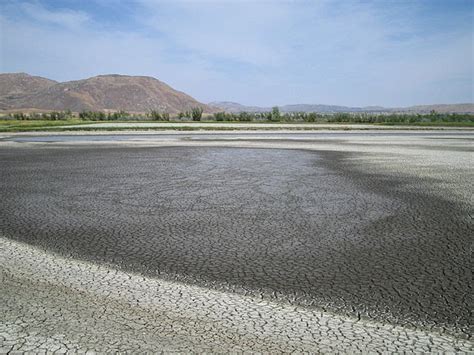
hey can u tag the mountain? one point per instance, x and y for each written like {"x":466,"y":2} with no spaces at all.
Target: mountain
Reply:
{"x":23,"y":92}
{"x":100,"y":93}
{"x":324,"y":108}
{"x":235,"y":107}
{"x":451,"y":108}
{"x":16,"y":84}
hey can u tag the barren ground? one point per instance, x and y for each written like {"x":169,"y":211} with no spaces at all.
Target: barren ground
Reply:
{"x":315,"y":241}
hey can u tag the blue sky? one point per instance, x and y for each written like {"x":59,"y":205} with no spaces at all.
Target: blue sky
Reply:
{"x":358,"y":53}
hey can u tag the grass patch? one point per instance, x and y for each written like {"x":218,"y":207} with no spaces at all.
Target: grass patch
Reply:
{"x":37,"y":125}
{"x":69,"y":125}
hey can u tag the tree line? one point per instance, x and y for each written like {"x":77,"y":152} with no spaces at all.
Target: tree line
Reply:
{"x":196,"y":114}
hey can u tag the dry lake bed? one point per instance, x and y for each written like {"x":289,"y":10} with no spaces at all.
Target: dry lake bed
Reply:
{"x":323,"y":241}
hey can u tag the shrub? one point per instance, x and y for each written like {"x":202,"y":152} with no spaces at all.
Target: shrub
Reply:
{"x":155,"y":115}
{"x":245,"y":117}
{"x":220,"y":116}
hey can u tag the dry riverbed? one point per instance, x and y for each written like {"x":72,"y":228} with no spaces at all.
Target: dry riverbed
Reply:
{"x":262,"y":241}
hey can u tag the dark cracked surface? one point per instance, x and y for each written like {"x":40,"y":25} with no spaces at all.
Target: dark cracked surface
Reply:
{"x":309,"y":228}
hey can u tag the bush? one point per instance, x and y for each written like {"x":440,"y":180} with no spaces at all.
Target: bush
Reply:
{"x":220,"y":116}
{"x":157,"y":116}
{"x":245,"y":117}
{"x":97,"y":116}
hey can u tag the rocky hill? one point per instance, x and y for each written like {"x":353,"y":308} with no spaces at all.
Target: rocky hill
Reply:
{"x":17,"y":84}
{"x":99,"y":93}
{"x":14,"y":86}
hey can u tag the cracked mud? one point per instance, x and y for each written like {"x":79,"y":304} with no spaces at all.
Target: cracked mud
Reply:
{"x":327,"y":245}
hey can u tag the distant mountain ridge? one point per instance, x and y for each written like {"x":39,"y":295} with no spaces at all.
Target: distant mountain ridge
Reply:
{"x":114,"y":92}
{"x":235,"y":107}
{"x":100,"y":93}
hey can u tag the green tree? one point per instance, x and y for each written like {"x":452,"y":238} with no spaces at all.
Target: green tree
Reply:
{"x":311,"y":117}
{"x":196,"y":113}
{"x":275,"y":114}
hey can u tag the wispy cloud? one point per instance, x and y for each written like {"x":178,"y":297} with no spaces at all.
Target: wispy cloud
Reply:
{"x":63,"y":17}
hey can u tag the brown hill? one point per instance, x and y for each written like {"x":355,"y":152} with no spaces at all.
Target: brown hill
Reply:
{"x":105,"y":93}
{"x":16,"y":84}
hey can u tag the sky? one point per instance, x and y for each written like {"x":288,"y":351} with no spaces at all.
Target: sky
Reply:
{"x":354,"y":53}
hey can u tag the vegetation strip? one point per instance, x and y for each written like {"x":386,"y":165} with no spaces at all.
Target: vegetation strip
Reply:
{"x":275,"y":116}
{"x":79,"y":125}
